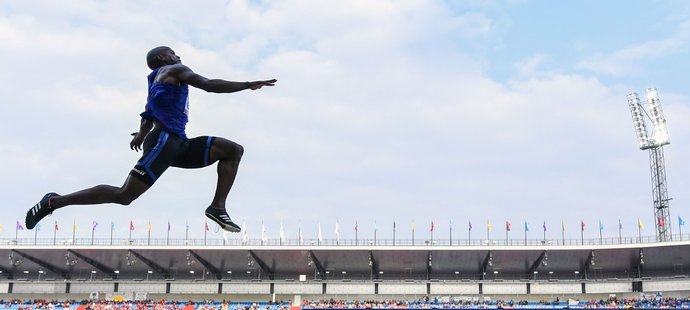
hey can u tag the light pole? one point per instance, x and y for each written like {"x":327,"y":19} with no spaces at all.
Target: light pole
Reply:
{"x":654,"y":143}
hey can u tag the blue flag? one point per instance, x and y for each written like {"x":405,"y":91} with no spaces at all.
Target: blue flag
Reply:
{"x":681,"y":221}
{"x":526,"y":226}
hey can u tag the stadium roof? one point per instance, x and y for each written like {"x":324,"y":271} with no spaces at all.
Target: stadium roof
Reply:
{"x":364,"y":262}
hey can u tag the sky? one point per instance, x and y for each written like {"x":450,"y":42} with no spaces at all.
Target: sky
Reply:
{"x":385,"y":111}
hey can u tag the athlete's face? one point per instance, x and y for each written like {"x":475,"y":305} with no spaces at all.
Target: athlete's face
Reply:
{"x":170,"y":57}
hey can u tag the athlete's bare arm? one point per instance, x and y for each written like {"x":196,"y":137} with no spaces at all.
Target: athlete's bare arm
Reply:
{"x":179,"y":73}
{"x":144,"y":128}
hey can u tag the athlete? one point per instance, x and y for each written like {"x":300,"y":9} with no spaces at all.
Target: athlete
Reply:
{"x":162,"y":138}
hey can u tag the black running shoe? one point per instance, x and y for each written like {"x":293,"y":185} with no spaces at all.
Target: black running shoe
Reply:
{"x":39,"y":211}
{"x":221,"y":217}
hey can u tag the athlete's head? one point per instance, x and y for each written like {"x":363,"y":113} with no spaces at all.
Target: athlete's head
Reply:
{"x":161,"y":56}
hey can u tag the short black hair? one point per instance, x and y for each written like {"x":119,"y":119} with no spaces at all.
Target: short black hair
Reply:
{"x":151,"y":57}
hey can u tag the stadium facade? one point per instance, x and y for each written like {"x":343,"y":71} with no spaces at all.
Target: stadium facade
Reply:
{"x":273,"y":270}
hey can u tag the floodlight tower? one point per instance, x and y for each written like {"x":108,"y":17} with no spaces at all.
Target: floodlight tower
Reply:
{"x":655,"y":144}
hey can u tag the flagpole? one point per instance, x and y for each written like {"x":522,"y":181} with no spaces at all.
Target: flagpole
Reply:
{"x":36,"y":235}
{"x":112,"y":227}
{"x":469,"y":233}
{"x":450,"y":232}
{"x":16,"y":232}
{"x":432,"y":233}
{"x":130,"y":231}
{"x":525,"y":232}
{"x":167,"y":235}
{"x":54,"y":233}
{"x":562,"y":233}
{"x":356,"y":232}
{"x":620,"y":233}
{"x":393,"y":232}
{"x":92,"y":231}
{"x":74,"y":231}
{"x":205,"y":235}
{"x":639,"y":231}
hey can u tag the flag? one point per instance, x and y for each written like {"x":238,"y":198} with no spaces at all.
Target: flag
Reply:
{"x":93,"y":226}
{"x":149,"y":227}
{"x":620,"y":225}
{"x":245,"y":237}
{"x":301,"y":239}
{"x":432,"y":226}
{"x":661,"y":221}
{"x":526,"y":226}
{"x":56,"y":226}
{"x":131,"y":225}
{"x":681,"y":222}
{"x":544,"y":225}
{"x":601,"y":226}
{"x":75,"y":226}
{"x":282,"y":232}
{"x":264,"y":237}
{"x":488,"y":225}
{"x":582,"y":225}
{"x":413,"y":227}
{"x":337,"y":232}
{"x":38,"y":227}
{"x":168,"y":225}
{"x":562,"y":226}
{"x":206,"y":226}
{"x":639,"y":223}
{"x":112,"y":226}
{"x":470,"y":225}
{"x":19,"y":226}
{"x":356,"y":226}
{"x":507,"y":226}
{"x":319,"y":236}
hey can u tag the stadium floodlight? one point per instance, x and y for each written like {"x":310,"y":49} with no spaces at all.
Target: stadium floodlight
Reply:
{"x":654,"y":143}
{"x":660,"y":133}
{"x":638,"y":120}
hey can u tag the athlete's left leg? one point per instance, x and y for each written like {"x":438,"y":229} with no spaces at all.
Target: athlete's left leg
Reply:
{"x":228,"y":154}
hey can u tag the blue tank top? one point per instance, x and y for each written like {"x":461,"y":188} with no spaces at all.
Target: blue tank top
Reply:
{"x":168,"y":104}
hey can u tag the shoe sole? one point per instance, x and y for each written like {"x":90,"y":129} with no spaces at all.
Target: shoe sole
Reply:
{"x":225,"y":227}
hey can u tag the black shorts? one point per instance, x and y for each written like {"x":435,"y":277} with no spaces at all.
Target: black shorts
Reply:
{"x":163,"y":149}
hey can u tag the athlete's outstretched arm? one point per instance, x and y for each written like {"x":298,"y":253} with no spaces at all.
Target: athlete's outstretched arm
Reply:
{"x":187,"y":76}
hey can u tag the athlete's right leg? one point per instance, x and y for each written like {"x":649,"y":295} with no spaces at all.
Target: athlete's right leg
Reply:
{"x":100,"y":194}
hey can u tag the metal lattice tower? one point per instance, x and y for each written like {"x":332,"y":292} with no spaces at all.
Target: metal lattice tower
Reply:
{"x":654,"y":143}
{"x":662,"y":215}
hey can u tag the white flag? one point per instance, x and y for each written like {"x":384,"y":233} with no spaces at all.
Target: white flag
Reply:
{"x":264,"y":238}
{"x":282,"y":232}
{"x":320,"y":238}
{"x":337,"y":233}
{"x":245,"y":237}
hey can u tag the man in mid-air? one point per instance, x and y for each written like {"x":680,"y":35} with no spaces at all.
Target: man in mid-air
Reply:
{"x":162,"y":138}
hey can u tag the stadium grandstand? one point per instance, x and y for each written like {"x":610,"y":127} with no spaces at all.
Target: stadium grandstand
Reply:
{"x":313,"y":274}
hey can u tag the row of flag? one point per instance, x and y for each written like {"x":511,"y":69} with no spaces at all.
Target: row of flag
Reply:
{"x":489,"y":226}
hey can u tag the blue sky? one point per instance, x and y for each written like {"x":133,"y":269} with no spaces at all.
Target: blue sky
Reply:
{"x":406,"y":111}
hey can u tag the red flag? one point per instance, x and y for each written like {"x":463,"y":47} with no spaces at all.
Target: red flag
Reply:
{"x":507,"y":226}
{"x":661,"y":221}
{"x":206,"y":226}
{"x":582,"y":224}
{"x":432,"y":225}
{"x":131,"y":225}
{"x":56,"y":226}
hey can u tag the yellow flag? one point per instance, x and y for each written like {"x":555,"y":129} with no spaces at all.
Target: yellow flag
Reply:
{"x":639,"y":223}
{"x":488,"y":225}
{"x":149,"y":226}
